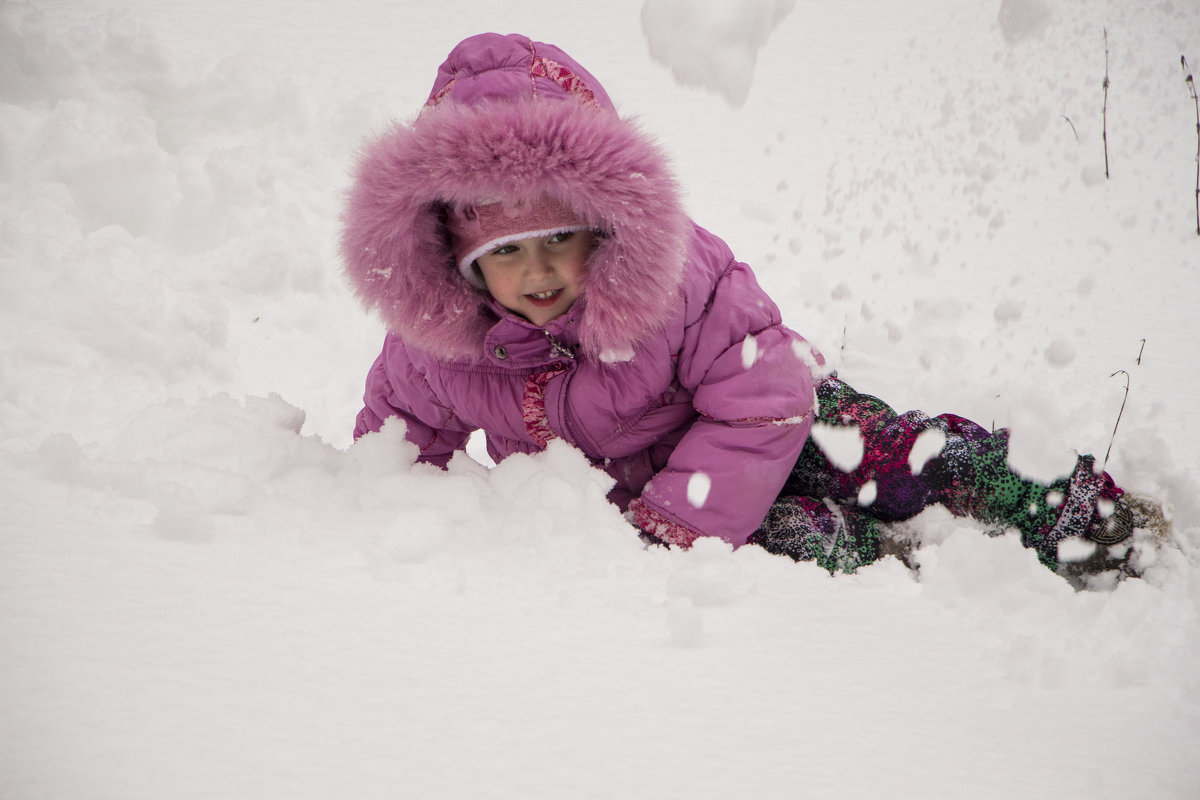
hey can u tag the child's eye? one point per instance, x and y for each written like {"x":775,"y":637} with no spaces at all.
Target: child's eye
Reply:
{"x":561,"y":237}
{"x":505,"y":250}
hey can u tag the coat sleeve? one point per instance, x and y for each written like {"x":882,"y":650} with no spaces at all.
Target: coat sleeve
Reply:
{"x":753,"y":392}
{"x":396,"y":387}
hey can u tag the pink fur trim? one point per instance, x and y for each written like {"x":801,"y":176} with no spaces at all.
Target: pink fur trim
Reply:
{"x":398,"y":255}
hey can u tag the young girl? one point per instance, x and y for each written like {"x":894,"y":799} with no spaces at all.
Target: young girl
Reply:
{"x":539,"y":279}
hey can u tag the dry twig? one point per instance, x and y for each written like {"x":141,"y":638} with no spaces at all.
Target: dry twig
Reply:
{"x":1105,"y":112}
{"x":1108,"y":452}
{"x":1072,"y":124}
{"x":1191,"y":84}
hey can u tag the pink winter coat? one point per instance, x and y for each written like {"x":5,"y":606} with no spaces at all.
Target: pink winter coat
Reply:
{"x":672,"y":371}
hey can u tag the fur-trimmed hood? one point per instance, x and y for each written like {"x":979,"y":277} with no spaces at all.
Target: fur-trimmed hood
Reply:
{"x":513,"y":119}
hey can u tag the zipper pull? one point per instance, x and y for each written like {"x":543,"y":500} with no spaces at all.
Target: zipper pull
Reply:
{"x":556,"y":348}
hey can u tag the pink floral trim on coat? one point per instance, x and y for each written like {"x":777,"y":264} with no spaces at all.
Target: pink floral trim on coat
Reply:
{"x":665,"y":530}
{"x":571,"y":83}
{"x":539,"y":67}
{"x":533,"y":407}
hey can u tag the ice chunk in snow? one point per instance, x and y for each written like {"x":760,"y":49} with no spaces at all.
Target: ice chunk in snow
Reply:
{"x":712,"y":44}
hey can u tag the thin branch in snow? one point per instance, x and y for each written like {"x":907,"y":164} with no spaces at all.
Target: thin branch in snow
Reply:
{"x":1072,"y":124}
{"x":1191,"y":84}
{"x":1105,"y":111}
{"x":1140,"y":351}
{"x":1119,"y":414}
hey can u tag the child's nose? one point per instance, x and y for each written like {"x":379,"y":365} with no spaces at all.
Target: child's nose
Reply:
{"x":541,"y":261}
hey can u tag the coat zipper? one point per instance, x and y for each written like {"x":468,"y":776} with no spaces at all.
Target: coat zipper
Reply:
{"x":558,"y":349}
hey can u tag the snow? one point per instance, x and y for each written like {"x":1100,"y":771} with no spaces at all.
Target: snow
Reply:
{"x":927,"y":445}
{"x":841,"y":444}
{"x":205,"y":590}
{"x":698,"y":486}
{"x":749,"y":351}
{"x":712,"y":44}
{"x":868,"y":493}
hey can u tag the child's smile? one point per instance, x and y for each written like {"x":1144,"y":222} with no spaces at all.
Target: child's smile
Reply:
{"x":538,"y":278}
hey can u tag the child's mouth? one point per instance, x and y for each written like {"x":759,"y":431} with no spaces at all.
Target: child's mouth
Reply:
{"x":542,"y":299}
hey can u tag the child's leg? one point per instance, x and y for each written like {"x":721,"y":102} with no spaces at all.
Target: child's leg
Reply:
{"x":837,"y":538}
{"x":970,"y":476}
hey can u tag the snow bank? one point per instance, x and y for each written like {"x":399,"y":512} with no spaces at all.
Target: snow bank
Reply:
{"x":206,"y":590}
{"x":183,"y":224}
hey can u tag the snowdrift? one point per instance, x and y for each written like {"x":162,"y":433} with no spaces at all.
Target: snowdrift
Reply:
{"x":206,"y":590}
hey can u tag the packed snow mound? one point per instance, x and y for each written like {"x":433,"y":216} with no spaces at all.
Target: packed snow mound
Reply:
{"x":203,"y":471}
{"x":207,"y":590}
{"x":712,"y":44}
{"x":186,"y":220}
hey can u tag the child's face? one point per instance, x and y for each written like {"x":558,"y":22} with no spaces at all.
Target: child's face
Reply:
{"x":538,"y":278}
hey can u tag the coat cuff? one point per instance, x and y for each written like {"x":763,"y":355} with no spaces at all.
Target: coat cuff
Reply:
{"x":664,"y":529}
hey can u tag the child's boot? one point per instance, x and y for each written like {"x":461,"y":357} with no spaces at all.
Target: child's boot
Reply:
{"x":1088,"y":507}
{"x":1121,"y":545}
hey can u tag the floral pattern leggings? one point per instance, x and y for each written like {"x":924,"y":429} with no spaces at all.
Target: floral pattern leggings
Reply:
{"x":838,"y":519}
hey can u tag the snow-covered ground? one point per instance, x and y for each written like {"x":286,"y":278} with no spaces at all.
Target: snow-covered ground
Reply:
{"x":205,"y":591}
